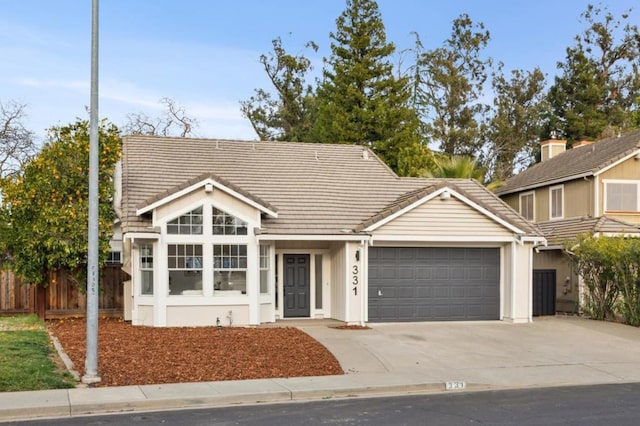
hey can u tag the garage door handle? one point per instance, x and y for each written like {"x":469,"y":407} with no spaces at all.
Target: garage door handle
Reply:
{"x":379,"y":292}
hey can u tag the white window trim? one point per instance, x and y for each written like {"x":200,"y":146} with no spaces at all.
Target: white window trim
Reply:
{"x":137,"y":270}
{"x":526,"y":194}
{"x":551,"y":189}
{"x":207,"y":239}
{"x":623,"y":181}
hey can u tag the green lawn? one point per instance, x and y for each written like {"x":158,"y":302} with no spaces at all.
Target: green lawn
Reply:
{"x":26,"y":361}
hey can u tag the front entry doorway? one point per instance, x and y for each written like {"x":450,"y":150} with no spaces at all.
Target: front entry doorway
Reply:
{"x":297,"y":286}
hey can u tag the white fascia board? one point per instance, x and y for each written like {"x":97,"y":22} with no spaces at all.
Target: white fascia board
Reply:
{"x":289,"y":237}
{"x":442,"y":239}
{"x":546,"y":183}
{"x":437,"y":194}
{"x":202,"y":183}
{"x":487,"y":213}
{"x":612,"y":165}
{"x":540,"y":240}
{"x":141,"y":236}
{"x":400,"y":212}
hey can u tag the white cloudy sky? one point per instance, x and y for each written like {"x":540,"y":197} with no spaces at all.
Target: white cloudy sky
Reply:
{"x":204,"y":53}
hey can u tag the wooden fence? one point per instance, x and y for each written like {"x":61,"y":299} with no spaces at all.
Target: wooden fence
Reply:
{"x":63,"y":297}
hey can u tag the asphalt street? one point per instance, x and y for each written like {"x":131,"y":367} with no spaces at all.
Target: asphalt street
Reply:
{"x":617,"y":404}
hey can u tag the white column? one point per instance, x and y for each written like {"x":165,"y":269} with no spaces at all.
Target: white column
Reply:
{"x":253,"y":281}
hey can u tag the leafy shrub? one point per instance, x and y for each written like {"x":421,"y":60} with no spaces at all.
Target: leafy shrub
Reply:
{"x":611,"y":273}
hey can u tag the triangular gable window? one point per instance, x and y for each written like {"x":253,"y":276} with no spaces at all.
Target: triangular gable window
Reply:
{"x":187,"y":224}
{"x":226,"y":224}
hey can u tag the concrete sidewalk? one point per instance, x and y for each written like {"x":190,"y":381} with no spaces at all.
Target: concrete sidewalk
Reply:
{"x":389,"y":359}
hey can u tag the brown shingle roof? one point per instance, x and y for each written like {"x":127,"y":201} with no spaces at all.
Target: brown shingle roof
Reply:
{"x":315,"y":188}
{"x":574,"y":163}
{"x":559,"y":231}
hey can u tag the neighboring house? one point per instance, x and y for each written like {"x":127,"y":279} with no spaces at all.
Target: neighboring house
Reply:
{"x":220,"y":232}
{"x":593,"y":187}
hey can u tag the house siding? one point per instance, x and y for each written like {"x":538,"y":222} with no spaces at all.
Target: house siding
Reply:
{"x":518,"y":283}
{"x":356,"y":293}
{"x":438,"y":217}
{"x":143,"y":315}
{"x":338,"y":284}
{"x":542,"y":205}
{"x":218,"y":198}
{"x":566,"y":278}
{"x":191,"y":316}
{"x":627,"y":170}
{"x":578,"y":198}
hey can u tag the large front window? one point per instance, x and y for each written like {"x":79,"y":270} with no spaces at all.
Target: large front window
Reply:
{"x":229,"y":269}
{"x":226,"y":224}
{"x":187,"y":224}
{"x":622,"y":197}
{"x":185,"y":269}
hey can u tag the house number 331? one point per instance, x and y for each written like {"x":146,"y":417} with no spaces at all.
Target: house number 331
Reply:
{"x":354,"y":279}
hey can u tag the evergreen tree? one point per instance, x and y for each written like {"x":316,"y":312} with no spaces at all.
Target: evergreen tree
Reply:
{"x":360,"y":100}
{"x":516,"y":121}
{"x":598,"y":92}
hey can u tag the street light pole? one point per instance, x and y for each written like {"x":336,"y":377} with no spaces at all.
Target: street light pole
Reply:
{"x":91,"y":359}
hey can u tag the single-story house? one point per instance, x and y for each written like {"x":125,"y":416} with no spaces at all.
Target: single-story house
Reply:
{"x":243,"y":233}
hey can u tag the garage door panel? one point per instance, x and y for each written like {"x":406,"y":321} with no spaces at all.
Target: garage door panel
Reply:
{"x":458,"y":273}
{"x":425,"y":283}
{"x":407,"y":274}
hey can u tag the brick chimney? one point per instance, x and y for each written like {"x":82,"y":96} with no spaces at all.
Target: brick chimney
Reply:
{"x":552,"y":147}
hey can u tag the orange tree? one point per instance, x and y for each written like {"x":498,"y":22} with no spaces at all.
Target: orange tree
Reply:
{"x":44,"y":212}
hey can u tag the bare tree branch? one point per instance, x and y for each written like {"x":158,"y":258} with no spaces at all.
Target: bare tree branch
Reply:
{"x":16,"y":142}
{"x":173,"y":121}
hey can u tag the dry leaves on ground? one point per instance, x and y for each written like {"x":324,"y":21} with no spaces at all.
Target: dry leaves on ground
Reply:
{"x":129,"y":355}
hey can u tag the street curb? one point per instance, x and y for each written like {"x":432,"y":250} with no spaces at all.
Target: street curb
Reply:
{"x":34,"y":404}
{"x":64,"y":357}
{"x":22,"y":405}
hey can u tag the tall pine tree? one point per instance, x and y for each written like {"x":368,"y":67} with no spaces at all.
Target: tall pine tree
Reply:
{"x":360,"y":100}
{"x":598,"y":92}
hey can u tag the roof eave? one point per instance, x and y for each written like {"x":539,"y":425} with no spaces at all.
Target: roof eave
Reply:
{"x":546,"y":183}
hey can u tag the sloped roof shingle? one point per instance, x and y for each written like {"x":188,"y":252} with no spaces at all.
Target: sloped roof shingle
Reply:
{"x":325,"y":189}
{"x":558,"y":231}
{"x":574,"y":163}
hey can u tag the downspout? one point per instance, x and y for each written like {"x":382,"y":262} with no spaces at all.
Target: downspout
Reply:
{"x":530,"y":285}
{"x":513,"y":281}
{"x":596,"y":197}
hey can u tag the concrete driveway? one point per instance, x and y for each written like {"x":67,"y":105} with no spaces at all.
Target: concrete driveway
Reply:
{"x":550,"y":351}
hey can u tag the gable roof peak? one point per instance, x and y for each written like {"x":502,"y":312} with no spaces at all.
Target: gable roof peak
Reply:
{"x":575,"y":163}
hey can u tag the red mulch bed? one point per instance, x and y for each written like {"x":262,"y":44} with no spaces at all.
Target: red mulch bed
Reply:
{"x":129,"y":355}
